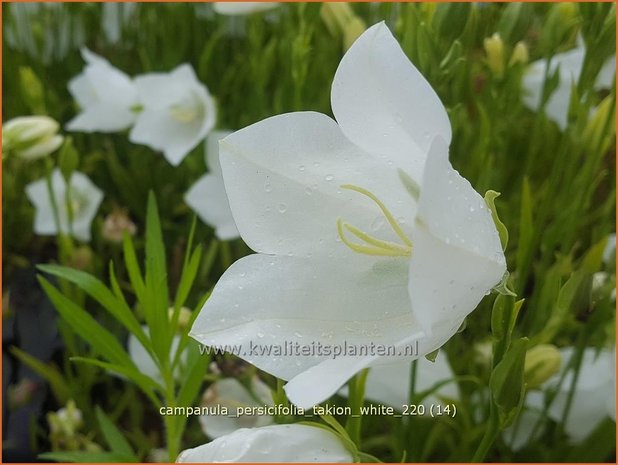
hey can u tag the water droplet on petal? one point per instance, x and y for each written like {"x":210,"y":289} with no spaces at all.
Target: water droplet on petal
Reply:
{"x":268,"y":187}
{"x":308,"y":190}
{"x":282,"y":208}
{"x":329,"y":177}
{"x":301,"y":168}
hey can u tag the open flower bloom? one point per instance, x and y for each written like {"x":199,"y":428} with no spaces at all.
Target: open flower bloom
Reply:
{"x":593,"y":400}
{"x":242,"y":8}
{"x":31,"y":137}
{"x":107,"y":97}
{"x":230,"y":393}
{"x":365,"y":233}
{"x":177,"y":112}
{"x":389,"y":383}
{"x":276,"y":443}
{"x":84,"y":201}
{"x":569,"y":65}
{"x":207,"y":197}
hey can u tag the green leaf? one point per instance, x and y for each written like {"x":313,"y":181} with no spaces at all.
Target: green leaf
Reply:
{"x":50,"y":373}
{"x":86,"y":327}
{"x":507,"y":382}
{"x":133,"y":269}
{"x":187,"y":277}
{"x":99,"y":292}
{"x":88,"y":457}
{"x":68,"y":159}
{"x":145,"y":383}
{"x":114,"y":438}
{"x":503,"y":317}
{"x":490,"y":198}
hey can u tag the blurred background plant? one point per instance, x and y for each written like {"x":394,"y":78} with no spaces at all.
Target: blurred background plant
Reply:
{"x":557,"y":202}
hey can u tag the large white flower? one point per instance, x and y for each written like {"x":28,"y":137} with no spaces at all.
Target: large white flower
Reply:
{"x":84,"y":201}
{"x":107,"y":97}
{"x":569,"y":65}
{"x":242,"y":8}
{"x":301,"y":185}
{"x":230,"y":393}
{"x":207,"y":197}
{"x":276,"y":443}
{"x":177,"y":112}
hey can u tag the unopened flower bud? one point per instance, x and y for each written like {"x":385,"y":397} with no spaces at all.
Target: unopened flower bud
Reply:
{"x":595,"y":133}
{"x":31,"y":137}
{"x":494,"y":48}
{"x":115,"y":225}
{"x":184,"y":317}
{"x":542,"y":362}
{"x":66,"y":421}
{"x":519,"y":55}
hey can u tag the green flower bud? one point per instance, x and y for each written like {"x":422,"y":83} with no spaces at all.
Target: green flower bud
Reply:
{"x":31,"y":137}
{"x":542,"y":362}
{"x":494,"y":48}
{"x":519,"y":55}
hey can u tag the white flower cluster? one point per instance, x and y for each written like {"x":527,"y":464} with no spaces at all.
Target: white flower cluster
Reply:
{"x":170,"y":112}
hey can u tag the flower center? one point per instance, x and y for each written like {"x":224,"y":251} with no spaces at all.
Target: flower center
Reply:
{"x":187,"y":110}
{"x":372,"y":245}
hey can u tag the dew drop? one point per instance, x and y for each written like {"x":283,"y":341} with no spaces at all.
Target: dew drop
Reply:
{"x":260,"y":335}
{"x":282,"y":208}
{"x":268,"y":186}
{"x":297,"y":334}
{"x":308,"y":190}
{"x":301,"y":168}
{"x":329,"y":177}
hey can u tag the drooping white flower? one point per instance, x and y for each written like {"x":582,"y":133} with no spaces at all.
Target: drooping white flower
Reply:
{"x":177,"y":112}
{"x":31,"y":137}
{"x":275,"y":443}
{"x":207,"y":197}
{"x":242,"y":8}
{"x":389,"y":383}
{"x":84,"y":201}
{"x":230,"y":393}
{"x":593,"y":399}
{"x":302,"y":185}
{"x":107,"y":97}
{"x":569,"y":65}
{"x":144,"y":362}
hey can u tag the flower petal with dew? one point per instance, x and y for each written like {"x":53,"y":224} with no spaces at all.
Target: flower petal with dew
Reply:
{"x":84,"y":201}
{"x":389,"y":383}
{"x":144,"y":362}
{"x":242,"y":8}
{"x":365,"y":233}
{"x":276,"y":443}
{"x":31,"y":137}
{"x":230,"y":393}
{"x":569,"y":65}
{"x":207,"y":197}
{"x":177,"y":112}
{"x":107,"y":97}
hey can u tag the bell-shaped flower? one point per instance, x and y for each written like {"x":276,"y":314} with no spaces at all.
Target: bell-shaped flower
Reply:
{"x":207,"y":197}
{"x":569,"y":66}
{"x":242,"y":8}
{"x":275,"y":443}
{"x":231,"y":394}
{"x":84,"y":201}
{"x":107,"y":97}
{"x":31,"y":137}
{"x":365,"y":233}
{"x":177,"y":112}
{"x":389,"y":383}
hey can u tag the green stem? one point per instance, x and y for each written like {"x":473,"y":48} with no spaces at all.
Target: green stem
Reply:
{"x":489,"y":437}
{"x":356,"y":399}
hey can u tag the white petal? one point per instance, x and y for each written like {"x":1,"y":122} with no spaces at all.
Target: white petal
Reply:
{"x":91,"y":196}
{"x":212,"y":149}
{"x":520,"y":433}
{"x":383,"y":103}
{"x":457,"y":256}
{"x":82,"y":91}
{"x":283,"y":177}
{"x":389,"y":383}
{"x":38,"y":195}
{"x":273,"y":302}
{"x":242,"y":8}
{"x":207,"y":198}
{"x":144,"y":362}
{"x":276,"y":443}
{"x":233,"y":395}
{"x":102,"y":117}
{"x":607,"y":75}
